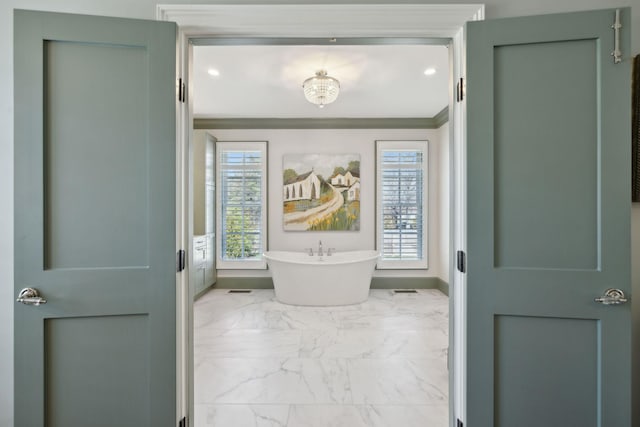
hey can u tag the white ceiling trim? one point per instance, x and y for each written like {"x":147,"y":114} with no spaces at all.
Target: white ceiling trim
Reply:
{"x":335,"y":20}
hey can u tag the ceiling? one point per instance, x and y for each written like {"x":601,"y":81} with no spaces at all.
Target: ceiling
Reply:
{"x":376,"y":81}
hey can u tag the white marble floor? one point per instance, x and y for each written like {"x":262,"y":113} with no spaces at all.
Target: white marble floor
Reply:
{"x":262,"y":363}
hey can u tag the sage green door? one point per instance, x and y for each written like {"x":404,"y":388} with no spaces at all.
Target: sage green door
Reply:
{"x":548,"y":133}
{"x":95,"y":221}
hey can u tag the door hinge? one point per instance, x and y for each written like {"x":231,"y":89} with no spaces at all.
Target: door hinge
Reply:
{"x":461,"y":261}
{"x":181,"y":260}
{"x":183,"y":422}
{"x":460,"y":90}
{"x":182,"y":91}
{"x":459,"y":423}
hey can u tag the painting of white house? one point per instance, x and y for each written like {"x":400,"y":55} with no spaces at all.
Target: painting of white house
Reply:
{"x":321,"y":192}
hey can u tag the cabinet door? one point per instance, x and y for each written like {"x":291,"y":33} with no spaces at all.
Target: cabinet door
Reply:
{"x":203,"y":183}
{"x":199,"y":283}
{"x":210,"y":275}
{"x":198,"y":185}
{"x":209,"y":203}
{"x":210,"y":186}
{"x":199,"y":264}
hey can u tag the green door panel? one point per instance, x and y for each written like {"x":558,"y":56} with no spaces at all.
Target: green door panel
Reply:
{"x":524,"y":370}
{"x":535,"y":147}
{"x":548,"y":184}
{"x":86,"y":385}
{"x":107,"y":160}
{"x":95,"y":174}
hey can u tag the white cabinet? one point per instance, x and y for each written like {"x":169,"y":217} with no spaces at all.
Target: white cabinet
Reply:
{"x":210,"y":271}
{"x":203,"y":184}
{"x":199,"y":265}
{"x":204,"y":270}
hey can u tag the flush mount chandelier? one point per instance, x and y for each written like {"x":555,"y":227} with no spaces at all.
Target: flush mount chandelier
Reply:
{"x":321,"y":89}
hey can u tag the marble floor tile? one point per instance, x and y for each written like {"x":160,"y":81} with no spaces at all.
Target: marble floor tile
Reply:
{"x":248,"y":343}
{"x":272,"y":381}
{"x":381,"y":320}
{"x":368,"y":416}
{"x":222,"y":298}
{"x":423,"y":300}
{"x":374,"y":344}
{"x":241,"y":415}
{"x":218,"y":303}
{"x":255,"y":318}
{"x":406,"y":415}
{"x":398,"y":381}
{"x":326,"y":416}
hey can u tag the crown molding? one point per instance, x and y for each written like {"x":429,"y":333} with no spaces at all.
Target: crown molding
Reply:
{"x":312,"y":123}
{"x":321,"y":20}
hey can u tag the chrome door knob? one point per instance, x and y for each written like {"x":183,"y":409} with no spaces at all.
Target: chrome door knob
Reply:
{"x":30,"y":296}
{"x":612,"y":297}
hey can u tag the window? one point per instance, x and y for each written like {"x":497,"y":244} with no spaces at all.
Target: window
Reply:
{"x":401,"y":228}
{"x":241,"y":201}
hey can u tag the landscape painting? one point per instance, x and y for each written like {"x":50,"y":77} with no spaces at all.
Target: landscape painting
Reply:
{"x":321,"y":192}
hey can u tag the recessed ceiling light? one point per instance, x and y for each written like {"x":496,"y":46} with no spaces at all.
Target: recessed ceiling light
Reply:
{"x":213,"y":72}
{"x":429,"y":71}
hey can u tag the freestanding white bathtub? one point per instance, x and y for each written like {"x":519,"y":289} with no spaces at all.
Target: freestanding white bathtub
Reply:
{"x":340,"y":279}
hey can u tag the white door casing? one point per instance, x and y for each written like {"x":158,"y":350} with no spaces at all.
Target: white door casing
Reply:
{"x":401,"y":20}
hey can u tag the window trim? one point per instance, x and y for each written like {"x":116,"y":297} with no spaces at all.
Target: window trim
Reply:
{"x":385,"y":145}
{"x":242,"y":264}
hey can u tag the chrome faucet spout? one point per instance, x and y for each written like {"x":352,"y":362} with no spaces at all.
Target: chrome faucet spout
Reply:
{"x":320,"y":253}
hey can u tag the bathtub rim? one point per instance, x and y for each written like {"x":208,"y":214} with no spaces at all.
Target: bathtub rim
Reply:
{"x":315,"y":260}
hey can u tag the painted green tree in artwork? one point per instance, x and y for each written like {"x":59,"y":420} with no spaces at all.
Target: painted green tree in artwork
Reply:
{"x":289,"y":176}
{"x":338,"y":170}
{"x":354,"y":167}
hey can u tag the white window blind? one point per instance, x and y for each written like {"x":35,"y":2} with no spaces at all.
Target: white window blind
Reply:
{"x":241,"y":204}
{"x":402,"y":204}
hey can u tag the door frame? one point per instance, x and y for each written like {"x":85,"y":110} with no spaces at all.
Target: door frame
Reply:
{"x":335,"y":20}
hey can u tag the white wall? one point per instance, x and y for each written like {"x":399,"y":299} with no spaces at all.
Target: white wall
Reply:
{"x":347,"y":141}
{"x":145,"y":9}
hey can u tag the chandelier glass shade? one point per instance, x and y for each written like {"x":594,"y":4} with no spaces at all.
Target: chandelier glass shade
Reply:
{"x":321,"y":89}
